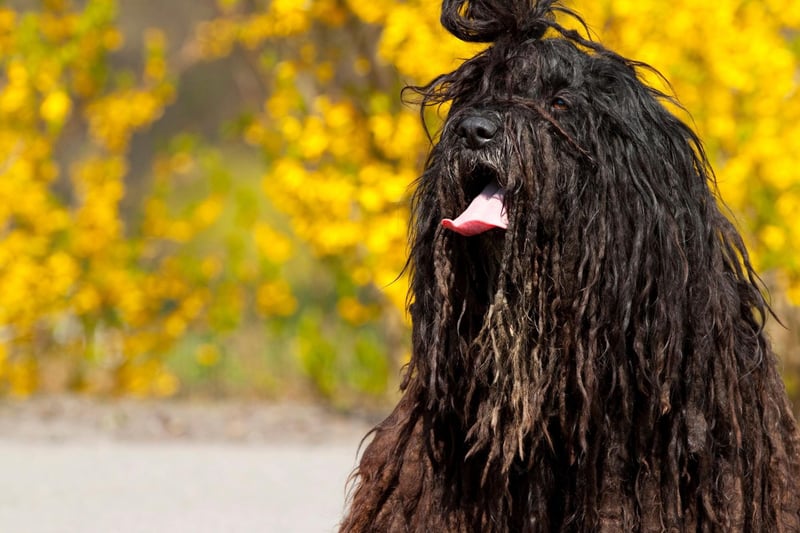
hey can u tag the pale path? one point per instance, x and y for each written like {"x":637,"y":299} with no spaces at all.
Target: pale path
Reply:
{"x":63,"y":475}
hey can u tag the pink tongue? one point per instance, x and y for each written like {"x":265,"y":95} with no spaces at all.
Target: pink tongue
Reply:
{"x":484,"y":213}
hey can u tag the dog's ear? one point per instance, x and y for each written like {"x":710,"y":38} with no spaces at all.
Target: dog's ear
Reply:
{"x":484,"y":21}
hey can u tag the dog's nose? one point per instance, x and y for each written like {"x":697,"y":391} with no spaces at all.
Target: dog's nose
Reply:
{"x":476,"y":131}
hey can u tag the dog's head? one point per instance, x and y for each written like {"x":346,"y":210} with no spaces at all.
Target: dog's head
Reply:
{"x":566,"y":238}
{"x":544,"y":121}
{"x":551,"y":139}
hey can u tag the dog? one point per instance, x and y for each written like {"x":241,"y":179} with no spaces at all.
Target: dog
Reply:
{"x":588,"y":332}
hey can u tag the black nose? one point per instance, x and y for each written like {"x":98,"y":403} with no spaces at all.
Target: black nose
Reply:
{"x":476,"y":131}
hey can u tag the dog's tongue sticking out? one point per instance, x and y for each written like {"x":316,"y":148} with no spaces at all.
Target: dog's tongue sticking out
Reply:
{"x":484,"y":213}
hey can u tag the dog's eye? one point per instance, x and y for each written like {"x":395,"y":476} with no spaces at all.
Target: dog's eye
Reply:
{"x":559,"y":104}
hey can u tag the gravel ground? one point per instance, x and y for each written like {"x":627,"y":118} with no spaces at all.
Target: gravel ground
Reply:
{"x":76,"y":465}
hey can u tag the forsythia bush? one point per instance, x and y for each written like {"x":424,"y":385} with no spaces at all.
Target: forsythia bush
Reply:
{"x":71,"y":280}
{"x":112,"y":294}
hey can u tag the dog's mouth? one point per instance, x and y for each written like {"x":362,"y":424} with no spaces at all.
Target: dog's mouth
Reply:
{"x":486,"y":211}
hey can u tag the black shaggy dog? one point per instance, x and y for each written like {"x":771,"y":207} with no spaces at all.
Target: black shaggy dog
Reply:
{"x":588,"y":344}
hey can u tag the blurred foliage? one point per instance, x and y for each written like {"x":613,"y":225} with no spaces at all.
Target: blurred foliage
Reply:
{"x":290,"y":267}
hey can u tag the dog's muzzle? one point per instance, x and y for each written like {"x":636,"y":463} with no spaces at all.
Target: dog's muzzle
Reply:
{"x":487,"y":210}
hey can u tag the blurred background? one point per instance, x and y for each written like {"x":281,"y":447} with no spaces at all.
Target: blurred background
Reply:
{"x":209,"y":198}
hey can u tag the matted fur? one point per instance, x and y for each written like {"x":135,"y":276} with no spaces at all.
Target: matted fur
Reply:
{"x":601,"y":365}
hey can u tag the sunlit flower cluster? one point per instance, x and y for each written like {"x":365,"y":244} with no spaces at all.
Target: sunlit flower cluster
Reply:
{"x":74,"y":285}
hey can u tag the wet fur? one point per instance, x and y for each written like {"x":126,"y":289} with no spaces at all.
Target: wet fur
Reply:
{"x":601,"y":365}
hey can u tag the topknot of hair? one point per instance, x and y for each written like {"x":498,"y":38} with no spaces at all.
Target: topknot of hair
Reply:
{"x":486,"y":21}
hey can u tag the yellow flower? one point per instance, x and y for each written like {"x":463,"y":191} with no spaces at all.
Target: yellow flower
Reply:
{"x":794,"y":293}
{"x":208,"y":211}
{"x":354,"y":311}
{"x":165,"y":384}
{"x":275,"y":298}
{"x":175,"y":325}
{"x":274,"y":246}
{"x":8,"y":19}
{"x":773,"y":237}
{"x":87,"y":300}
{"x":211,"y":267}
{"x":207,"y":354}
{"x":14,"y":98}
{"x":22,"y":377}
{"x":56,"y":107}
